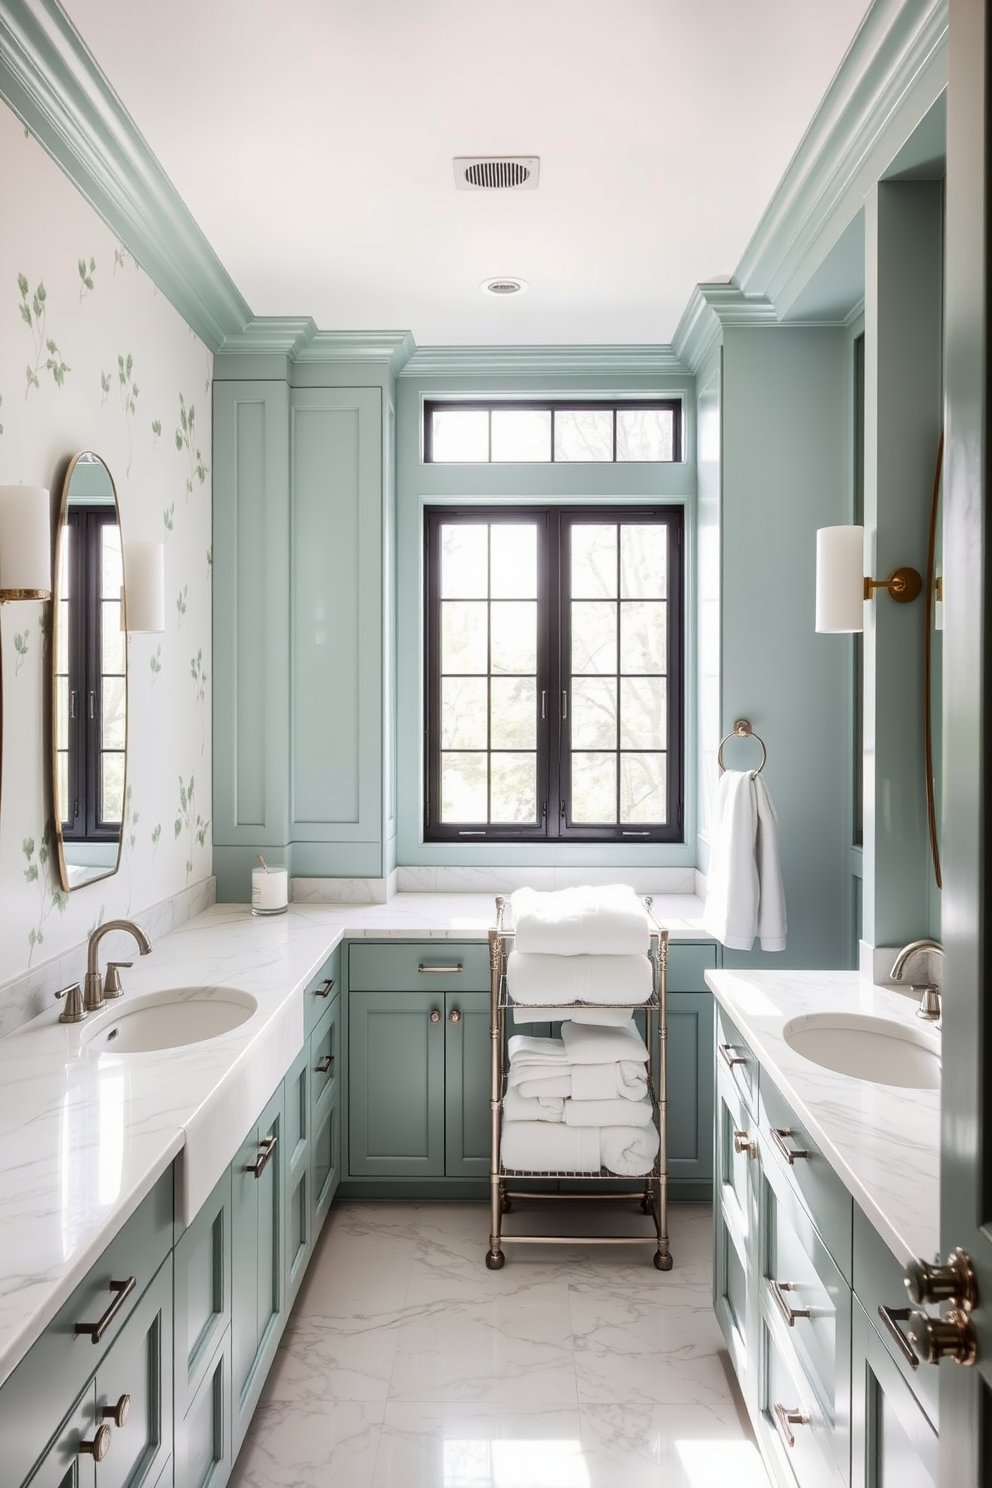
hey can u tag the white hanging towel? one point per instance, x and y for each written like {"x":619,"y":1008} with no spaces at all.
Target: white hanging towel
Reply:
{"x":744,"y":893}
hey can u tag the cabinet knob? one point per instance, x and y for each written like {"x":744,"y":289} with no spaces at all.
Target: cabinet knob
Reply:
{"x":953,"y":1282}
{"x":118,"y":1413}
{"x":454,"y":1016}
{"x":949,"y":1337}
{"x":435,"y":1015}
{"x":99,"y":1446}
{"x":745,"y":1143}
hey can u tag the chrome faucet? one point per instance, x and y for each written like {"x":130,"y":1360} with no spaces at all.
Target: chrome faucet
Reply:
{"x":95,"y":989}
{"x":929,"y":1007}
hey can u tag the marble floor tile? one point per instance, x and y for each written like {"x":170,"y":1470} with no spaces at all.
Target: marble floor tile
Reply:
{"x":425,"y":1444}
{"x":322,"y":1444}
{"x":348,"y":1358}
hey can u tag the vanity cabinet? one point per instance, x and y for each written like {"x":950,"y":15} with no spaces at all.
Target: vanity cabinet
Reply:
{"x":894,"y":1442}
{"x":258,"y":1287}
{"x":690,"y":1070}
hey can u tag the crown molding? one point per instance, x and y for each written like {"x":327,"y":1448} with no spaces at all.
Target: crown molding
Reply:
{"x":711,"y":309}
{"x":527,"y":361}
{"x":53,"y":84}
{"x":392,"y":348}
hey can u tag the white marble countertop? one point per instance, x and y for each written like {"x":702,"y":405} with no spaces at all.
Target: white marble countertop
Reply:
{"x":85,"y":1136}
{"x":883,"y":1141}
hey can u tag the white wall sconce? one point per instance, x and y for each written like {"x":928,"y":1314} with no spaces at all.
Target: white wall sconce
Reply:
{"x":25,"y":543}
{"x":144,"y":588}
{"x":842,"y":585}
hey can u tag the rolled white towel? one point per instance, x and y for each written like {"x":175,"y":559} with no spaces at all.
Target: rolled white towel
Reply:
{"x":543,"y":1147}
{"x":522,"y":1074}
{"x":551,"y":1087}
{"x":629,"y":1151}
{"x":609,"y":1112}
{"x":587,"y":921}
{"x":534,"y":978}
{"x":602,"y":1017}
{"x":517,"y":1107}
{"x":525,"y":1049}
{"x":585,"y":1044}
{"x":625,"y":1078}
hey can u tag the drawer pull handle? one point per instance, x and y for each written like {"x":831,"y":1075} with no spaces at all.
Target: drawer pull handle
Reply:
{"x":266,"y":1148}
{"x":96,"y":1330}
{"x":778,"y":1290}
{"x":745,"y":1143}
{"x":791,"y":1154}
{"x":325,"y":1065}
{"x":99,"y":1446}
{"x":454,"y":1016}
{"x":439,"y":970}
{"x":787,"y":1417}
{"x":435,"y":1015}
{"x":729,"y":1057}
{"x":324,"y":990}
{"x":892,"y":1317}
{"x":117,"y":1413}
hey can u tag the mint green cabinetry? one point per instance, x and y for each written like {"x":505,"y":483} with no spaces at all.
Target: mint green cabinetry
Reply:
{"x":690,"y":1094}
{"x":258,"y":1287}
{"x":467,"y":1076}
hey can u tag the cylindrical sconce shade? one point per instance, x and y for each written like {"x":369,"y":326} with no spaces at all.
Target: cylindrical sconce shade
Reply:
{"x":25,"y":543}
{"x":840,"y":579}
{"x":144,"y":586}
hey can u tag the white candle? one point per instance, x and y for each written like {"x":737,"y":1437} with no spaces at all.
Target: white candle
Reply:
{"x":269,"y":890}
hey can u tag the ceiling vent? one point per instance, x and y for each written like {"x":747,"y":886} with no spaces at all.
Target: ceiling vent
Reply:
{"x":496,"y":172}
{"x":504,"y":285}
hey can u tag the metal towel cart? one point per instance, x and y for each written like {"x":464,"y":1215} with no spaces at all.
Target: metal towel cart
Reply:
{"x":652,"y":1189}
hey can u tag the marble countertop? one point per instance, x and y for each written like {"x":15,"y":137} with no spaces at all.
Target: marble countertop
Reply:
{"x":883,"y":1141}
{"x":85,"y":1136}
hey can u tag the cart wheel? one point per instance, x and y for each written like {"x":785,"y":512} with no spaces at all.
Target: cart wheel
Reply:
{"x":663,"y":1260}
{"x":495,"y":1262}
{"x":646,"y":1206}
{"x":506,"y":1206}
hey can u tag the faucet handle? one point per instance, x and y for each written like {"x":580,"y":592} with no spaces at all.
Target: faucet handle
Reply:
{"x":73,"y":1012}
{"x":112,"y":983}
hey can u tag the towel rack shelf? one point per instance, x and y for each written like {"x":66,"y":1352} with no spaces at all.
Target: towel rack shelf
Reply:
{"x":742,"y":730}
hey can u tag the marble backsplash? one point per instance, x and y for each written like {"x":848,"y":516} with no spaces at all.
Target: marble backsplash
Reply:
{"x":489,"y":881}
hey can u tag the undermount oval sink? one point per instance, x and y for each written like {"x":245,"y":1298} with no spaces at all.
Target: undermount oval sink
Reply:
{"x":169,"y":1020}
{"x":867,"y":1048}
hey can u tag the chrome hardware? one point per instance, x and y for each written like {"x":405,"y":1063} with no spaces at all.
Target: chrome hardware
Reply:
{"x":96,"y":1330}
{"x":564,"y":706}
{"x":438,"y":970}
{"x":949,"y":1337}
{"x":118,"y":1413}
{"x":544,"y":704}
{"x":73,"y":1012}
{"x":729,"y":1057}
{"x":929,"y":1008}
{"x":745,"y":1143}
{"x":324,"y":1065}
{"x":930,"y":1005}
{"x":454,"y":1016}
{"x":99,"y":1446}
{"x":778,"y":1290}
{"x":892,"y":1317}
{"x":93,"y":984}
{"x":325,"y":989}
{"x":112,"y":983}
{"x":267,"y":1147}
{"x":791,"y":1154}
{"x":435,"y":1015}
{"x":787,"y":1417}
{"x":953,"y":1282}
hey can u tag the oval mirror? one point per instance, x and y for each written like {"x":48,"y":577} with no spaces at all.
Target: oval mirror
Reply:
{"x":89,"y":676}
{"x":933,"y":665}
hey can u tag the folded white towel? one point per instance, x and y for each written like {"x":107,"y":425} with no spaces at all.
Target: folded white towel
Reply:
{"x":609,"y":1112}
{"x":744,"y":893}
{"x":547,"y":1087}
{"x":542,"y":1147}
{"x":602,"y":1017}
{"x":520,"y":1074}
{"x":525,"y":1049}
{"x":627,"y":1150}
{"x":626,"y":1078}
{"x":533,"y":978}
{"x":586,"y":1044}
{"x":517,"y":1107}
{"x":606,"y":921}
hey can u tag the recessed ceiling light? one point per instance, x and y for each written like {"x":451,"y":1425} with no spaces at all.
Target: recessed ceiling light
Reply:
{"x":505,"y":285}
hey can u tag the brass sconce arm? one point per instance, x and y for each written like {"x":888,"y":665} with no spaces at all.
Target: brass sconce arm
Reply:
{"x":903,"y":584}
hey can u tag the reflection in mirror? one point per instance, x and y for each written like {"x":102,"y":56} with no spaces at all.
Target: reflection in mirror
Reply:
{"x":933,"y":657}
{"x":89,"y":676}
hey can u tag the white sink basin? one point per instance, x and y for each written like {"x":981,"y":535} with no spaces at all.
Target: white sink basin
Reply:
{"x":875,"y":1049}
{"x":168,"y":1020}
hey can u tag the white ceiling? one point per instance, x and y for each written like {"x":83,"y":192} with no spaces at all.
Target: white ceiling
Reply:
{"x":312,"y":141}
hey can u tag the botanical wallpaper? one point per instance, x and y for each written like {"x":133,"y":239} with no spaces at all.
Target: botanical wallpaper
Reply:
{"x":93,"y":357}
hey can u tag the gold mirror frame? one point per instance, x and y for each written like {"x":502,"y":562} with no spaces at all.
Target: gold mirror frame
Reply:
{"x":78,"y":875}
{"x":932,"y":596}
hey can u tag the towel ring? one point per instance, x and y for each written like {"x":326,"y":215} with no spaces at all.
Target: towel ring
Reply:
{"x":743,"y":730}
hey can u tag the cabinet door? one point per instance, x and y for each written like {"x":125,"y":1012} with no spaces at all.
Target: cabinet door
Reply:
{"x":325,"y":1167}
{"x":256,"y":1261}
{"x":396,"y":1084}
{"x":202,"y":1306}
{"x":203,"y":1437}
{"x":735,"y":1245}
{"x":893,"y":1443}
{"x":296,"y":1167}
{"x":138,"y":1369}
{"x":63,"y":1465}
{"x":467,"y":1080}
{"x":689,"y":1066}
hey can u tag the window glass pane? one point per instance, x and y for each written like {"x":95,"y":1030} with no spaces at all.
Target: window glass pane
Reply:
{"x":112,"y":637}
{"x":594,"y":561}
{"x":63,"y":779}
{"x":643,"y":637}
{"x":514,"y":723}
{"x":643,"y":785}
{"x":583,"y":434}
{"x":514,"y":636}
{"x":645,"y":433}
{"x":112,"y":570}
{"x":521,"y":434}
{"x":112,"y":793}
{"x":594,"y":713}
{"x":594,"y":788}
{"x":514,"y":560}
{"x":643,"y":561}
{"x":460,"y":435}
{"x":514,"y":790}
{"x":463,"y":713}
{"x":464,"y":561}
{"x":463,"y":788}
{"x":464,"y":636}
{"x":643,"y":713}
{"x":114,"y":716}
{"x":594,"y":638}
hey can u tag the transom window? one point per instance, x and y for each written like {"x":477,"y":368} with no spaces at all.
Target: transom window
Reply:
{"x":469,"y":433}
{"x":554,"y":674}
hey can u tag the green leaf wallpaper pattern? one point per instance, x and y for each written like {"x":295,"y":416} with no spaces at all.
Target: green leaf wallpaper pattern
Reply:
{"x":34,"y":313}
{"x":21,"y":647}
{"x":186,"y":439}
{"x":129,"y":396}
{"x":86,"y":277}
{"x":39,"y":871}
{"x":195,"y":826}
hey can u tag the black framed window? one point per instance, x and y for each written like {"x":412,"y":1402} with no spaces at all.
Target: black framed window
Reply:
{"x":555,"y":432}
{"x":554,"y":674}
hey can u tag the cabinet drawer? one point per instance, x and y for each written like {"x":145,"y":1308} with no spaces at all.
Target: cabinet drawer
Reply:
{"x":803,"y":1445}
{"x":325,"y":1063}
{"x":733,"y":1054}
{"x":810,"y":1175}
{"x":687,"y":965}
{"x":202,"y":1307}
{"x":321,"y":991}
{"x":894,"y":1445}
{"x":878,"y":1282}
{"x":410,"y":967}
